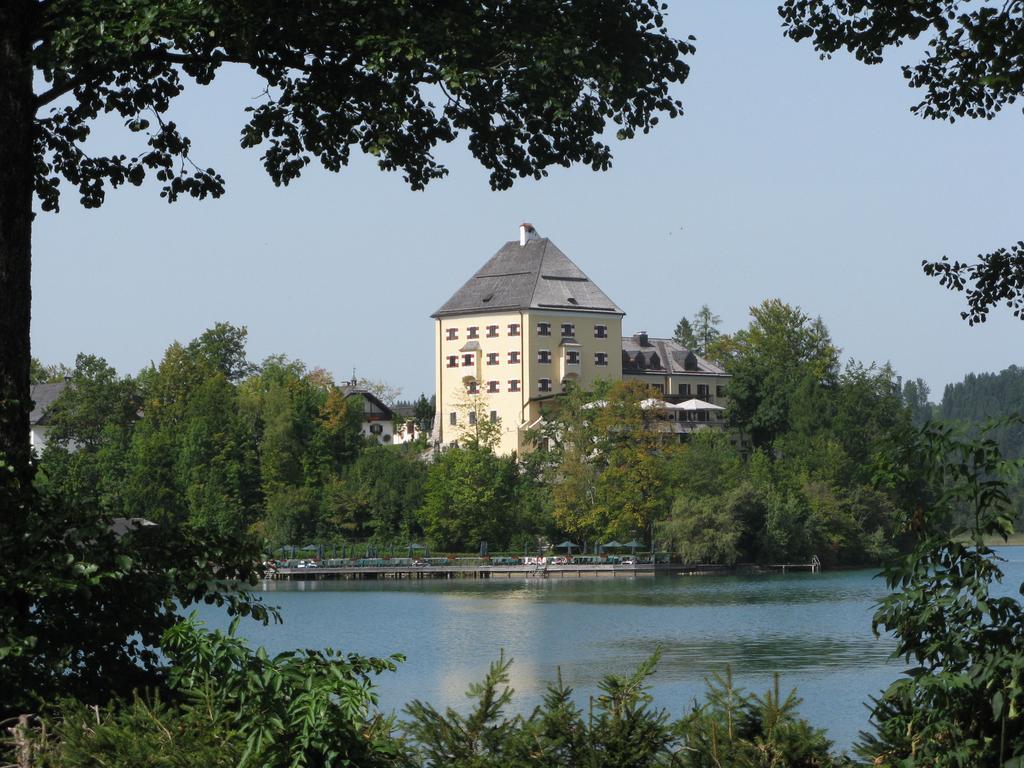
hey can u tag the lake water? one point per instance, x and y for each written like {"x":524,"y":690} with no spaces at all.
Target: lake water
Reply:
{"x":813,"y":629}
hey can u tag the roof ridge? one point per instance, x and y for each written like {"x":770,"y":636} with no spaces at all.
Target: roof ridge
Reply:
{"x":540,"y":270}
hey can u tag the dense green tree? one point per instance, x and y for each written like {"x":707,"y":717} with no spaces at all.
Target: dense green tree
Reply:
{"x":423,"y":412}
{"x":223,"y":349}
{"x":91,"y":426}
{"x":915,"y":397}
{"x":379,"y":494}
{"x":530,"y":87}
{"x":292,"y":515}
{"x":217,"y":465}
{"x":970,"y":68}
{"x":683,"y":334}
{"x":705,"y":329}
{"x":193,"y":456}
{"x":469,"y":497}
{"x":703,"y":524}
{"x":781,"y":347}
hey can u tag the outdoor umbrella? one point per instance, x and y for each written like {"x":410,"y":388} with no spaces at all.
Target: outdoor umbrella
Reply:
{"x":693,"y":404}
{"x":633,"y":545}
{"x":610,"y":545}
{"x":567,"y":545}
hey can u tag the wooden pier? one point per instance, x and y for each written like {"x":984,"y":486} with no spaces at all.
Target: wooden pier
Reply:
{"x":814,"y":566}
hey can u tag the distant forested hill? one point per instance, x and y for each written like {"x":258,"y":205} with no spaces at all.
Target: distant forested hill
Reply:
{"x":981,"y":397}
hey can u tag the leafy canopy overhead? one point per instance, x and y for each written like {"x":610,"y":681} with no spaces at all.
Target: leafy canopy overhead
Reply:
{"x":531,"y":84}
{"x":973,"y":66}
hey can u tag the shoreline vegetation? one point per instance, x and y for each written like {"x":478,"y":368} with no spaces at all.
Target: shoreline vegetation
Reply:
{"x":224,"y":704}
{"x":225,"y":456}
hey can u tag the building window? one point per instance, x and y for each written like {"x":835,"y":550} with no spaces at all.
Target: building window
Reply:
{"x":600,"y":358}
{"x":473,"y":387}
{"x":472,"y":418}
{"x":702,"y":415}
{"x":492,"y":386}
{"x":659,"y":388}
{"x":543,"y":329}
{"x":513,"y":329}
{"x":568,"y":329}
{"x":703,"y":390}
{"x":467,"y":359}
{"x":572,"y":356}
{"x":544,"y":356}
{"x":453,"y":418}
{"x":492,"y":358}
{"x":513,"y":385}
{"x":720,"y":391}
{"x":492,"y":331}
{"x":376,"y":429}
{"x":473,"y":332}
{"x":453,"y":361}
{"x":684,"y":389}
{"x":513,"y":356}
{"x":451,"y":334}
{"x":544,"y":385}
{"x":494,"y":417}
{"x":600,"y":331}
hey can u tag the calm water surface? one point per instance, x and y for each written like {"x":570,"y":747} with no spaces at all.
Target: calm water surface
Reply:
{"x":813,"y":629}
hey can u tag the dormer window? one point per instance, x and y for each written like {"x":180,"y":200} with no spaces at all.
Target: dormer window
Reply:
{"x":655,"y":360}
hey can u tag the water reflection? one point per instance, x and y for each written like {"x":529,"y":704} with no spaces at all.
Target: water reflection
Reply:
{"x":815,"y":630}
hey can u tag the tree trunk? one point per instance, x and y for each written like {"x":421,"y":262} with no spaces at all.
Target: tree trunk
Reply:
{"x":17,"y":114}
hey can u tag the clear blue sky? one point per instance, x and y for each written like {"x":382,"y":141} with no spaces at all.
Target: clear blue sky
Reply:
{"x":787,"y":177}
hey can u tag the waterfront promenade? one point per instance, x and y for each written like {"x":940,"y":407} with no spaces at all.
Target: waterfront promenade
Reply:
{"x":462,"y":571}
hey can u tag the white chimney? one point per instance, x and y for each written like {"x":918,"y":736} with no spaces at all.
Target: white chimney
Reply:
{"x":527,"y":233}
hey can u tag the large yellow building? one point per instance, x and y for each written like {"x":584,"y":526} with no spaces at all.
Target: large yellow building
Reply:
{"x":526,"y":322}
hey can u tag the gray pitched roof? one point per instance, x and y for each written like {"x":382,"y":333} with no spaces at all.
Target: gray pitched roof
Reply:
{"x":349,"y":390}
{"x":43,"y":396}
{"x":532,"y":276}
{"x":671,"y":357}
